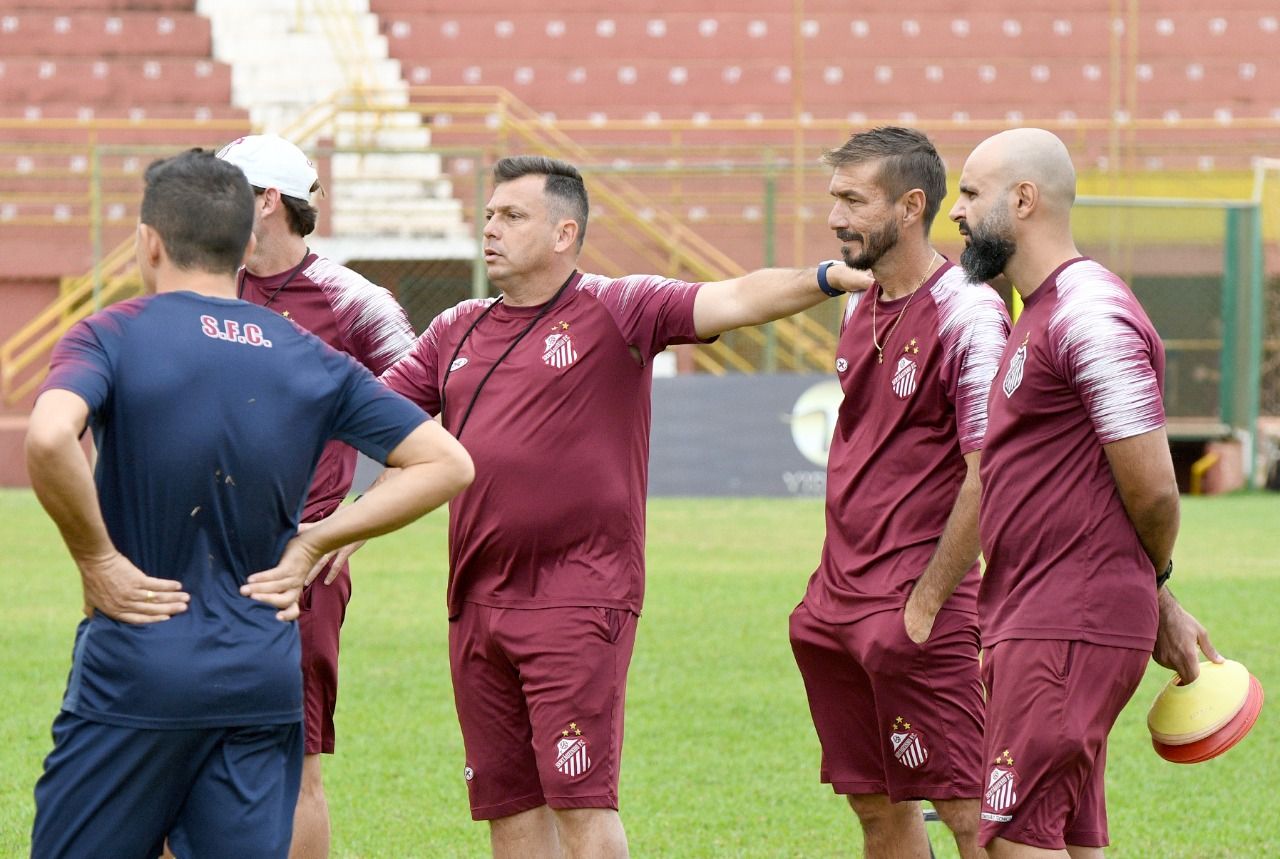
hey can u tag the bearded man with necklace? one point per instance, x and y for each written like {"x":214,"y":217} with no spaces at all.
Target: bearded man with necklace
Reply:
{"x":886,"y":636}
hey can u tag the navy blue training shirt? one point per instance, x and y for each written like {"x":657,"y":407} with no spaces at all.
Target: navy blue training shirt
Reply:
{"x":209,"y":417}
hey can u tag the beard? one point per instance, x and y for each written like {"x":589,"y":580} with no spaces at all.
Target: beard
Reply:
{"x":991,"y":246}
{"x":874,"y":246}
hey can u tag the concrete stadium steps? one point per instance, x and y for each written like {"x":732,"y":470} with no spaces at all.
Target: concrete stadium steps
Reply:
{"x":106,"y":33}
{"x":406,"y":218}
{"x":256,"y":37}
{"x":394,"y":194}
{"x":381,"y":185}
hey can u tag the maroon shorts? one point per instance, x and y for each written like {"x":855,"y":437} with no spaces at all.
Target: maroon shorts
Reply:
{"x":540,"y":694}
{"x":1050,"y":706}
{"x":894,"y":717}
{"x":323,"y":609}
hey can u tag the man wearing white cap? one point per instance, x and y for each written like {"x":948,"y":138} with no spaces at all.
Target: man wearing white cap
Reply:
{"x":354,"y":316}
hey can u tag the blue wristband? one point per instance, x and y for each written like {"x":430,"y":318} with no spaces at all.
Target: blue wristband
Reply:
{"x":822,"y":278}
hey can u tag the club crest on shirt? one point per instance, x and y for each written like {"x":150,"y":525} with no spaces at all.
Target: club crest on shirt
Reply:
{"x":458,"y":363}
{"x":904,"y":378}
{"x":1002,"y":789}
{"x":558,"y":349}
{"x":571,"y":752}
{"x":908,"y":744}
{"x":1013,"y":378}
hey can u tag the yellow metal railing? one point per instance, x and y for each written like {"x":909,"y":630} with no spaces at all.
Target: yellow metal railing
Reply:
{"x":639,"y":223}
{"x":671,"y":243}
{"x":23,"y":356}
{"x":640,"y":210}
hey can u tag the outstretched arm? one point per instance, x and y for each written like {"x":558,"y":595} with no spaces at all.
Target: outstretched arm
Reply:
{"x":954,"y":556}
{"x":1143,"y":471}
{"x":62,"y":481}
{"x":767,"y":294}
{"x":434,"y":467}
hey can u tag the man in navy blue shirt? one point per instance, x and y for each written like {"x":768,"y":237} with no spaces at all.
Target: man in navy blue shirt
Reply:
{"x":183,"y":708}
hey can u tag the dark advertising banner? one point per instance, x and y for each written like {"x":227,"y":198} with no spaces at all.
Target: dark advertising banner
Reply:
{"x":742,"y":435}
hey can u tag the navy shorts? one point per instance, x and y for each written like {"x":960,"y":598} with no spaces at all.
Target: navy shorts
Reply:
{"x":216,"y":792}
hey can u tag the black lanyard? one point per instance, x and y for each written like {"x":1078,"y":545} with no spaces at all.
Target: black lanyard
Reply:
{"x":278,"y":289}
{"x":476,"y":395}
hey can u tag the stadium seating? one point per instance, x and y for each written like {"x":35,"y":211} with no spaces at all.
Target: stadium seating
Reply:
{"x":594,"y":59}
{"x":97,"y":34}
{"x":130,"y":73}
{"x":1195,"y":79}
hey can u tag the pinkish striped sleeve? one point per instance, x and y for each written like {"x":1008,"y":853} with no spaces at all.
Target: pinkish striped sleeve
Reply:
{"x":1108,"y":352}
{"x":374,"y":325}
{"x":416,"y":374}
{"x":973,"y":326}
{"x":651,"y":312}
{"x":851,"y":304}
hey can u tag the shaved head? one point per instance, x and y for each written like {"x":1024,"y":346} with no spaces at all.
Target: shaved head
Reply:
{"x":1016,"y":194}
{"x":1030,"y":155}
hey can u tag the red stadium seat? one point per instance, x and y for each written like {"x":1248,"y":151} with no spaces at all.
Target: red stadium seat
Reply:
{"x":129,"y":81}
{"x":107,"y":33}
{"x":127,"y":72}
{"x":590,"y":58}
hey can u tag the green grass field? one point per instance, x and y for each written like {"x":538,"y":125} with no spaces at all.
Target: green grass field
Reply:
{"x":721,"y":758}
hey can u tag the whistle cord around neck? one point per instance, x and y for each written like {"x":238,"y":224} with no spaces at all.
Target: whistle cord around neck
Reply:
{"x":288,"y":280}
{"x":510,"y":346}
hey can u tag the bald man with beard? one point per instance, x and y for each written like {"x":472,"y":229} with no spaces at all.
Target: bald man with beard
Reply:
{"x":1079,"y":508}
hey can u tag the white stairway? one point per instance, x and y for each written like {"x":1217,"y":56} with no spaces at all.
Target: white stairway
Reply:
{"x":387,"y":194}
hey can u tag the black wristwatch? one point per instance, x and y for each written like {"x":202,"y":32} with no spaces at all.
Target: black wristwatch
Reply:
{"x":822,"y":279}
{"x":1164,"y":577}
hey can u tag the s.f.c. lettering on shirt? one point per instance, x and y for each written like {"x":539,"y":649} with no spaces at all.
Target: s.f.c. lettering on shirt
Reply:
{"x":233,"y":332}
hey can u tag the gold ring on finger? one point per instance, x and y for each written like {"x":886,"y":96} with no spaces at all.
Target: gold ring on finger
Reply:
{"x":151,"y":596}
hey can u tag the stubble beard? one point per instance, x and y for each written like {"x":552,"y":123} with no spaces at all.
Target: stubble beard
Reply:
{"x":874,"y":248}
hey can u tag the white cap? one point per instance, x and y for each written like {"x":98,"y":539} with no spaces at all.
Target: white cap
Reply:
{"x":269,"y":161}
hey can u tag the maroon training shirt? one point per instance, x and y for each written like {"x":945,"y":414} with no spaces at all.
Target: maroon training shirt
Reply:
{"x":897,"y":457}
{"x":559,"y":435}
{"x":350,"y":314}
{"x":1084,"y":367}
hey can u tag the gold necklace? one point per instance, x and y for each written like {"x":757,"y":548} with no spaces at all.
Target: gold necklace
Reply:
{"x":876,"y":300}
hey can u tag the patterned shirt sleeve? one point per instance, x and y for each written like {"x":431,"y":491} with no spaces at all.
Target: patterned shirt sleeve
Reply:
{"x":1107,"y":353}
{"x":375,"y":327}
{"x":851,"y":304}
{"x":651,"y":312}
{"x":416,"y":375}
{"x":973,"y":326}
